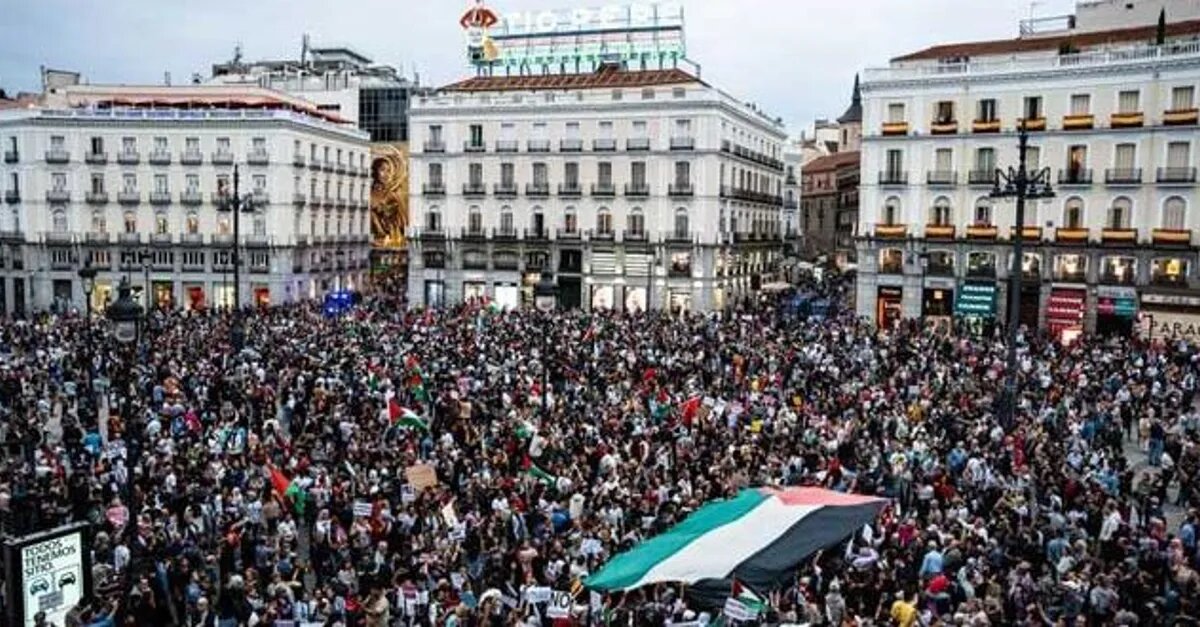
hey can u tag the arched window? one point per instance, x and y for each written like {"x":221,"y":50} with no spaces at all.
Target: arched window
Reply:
{"x":983,"y":212}
{"x":1174,"y":213}
{"x":603,"y":221}
{"x":130,"y":220}
{"x":537,"y":222}
{"x":635,"y":223}
{"x":1073,"y":213}
{"x":891,"y":210}
{"x":99,"y":224}
{"x":506,"y":221}
{"x":60,"y":220}
{"x":474,"y":220}
{"x":570,"y":221}
{"x":1119,"y":213}
{"x":940,"y":214}
{"x":981,"y":264}
{"x":433,"y":220}
{"x":681,"y":223}
{"x":193,"y":223}
{"x":160,"y":222}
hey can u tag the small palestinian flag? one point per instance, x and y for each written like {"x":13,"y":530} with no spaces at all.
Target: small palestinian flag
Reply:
{"x":533,"y":470}
{"x":405,"y":418}
{"x":743,"y":604}
{"x":288,"y":489}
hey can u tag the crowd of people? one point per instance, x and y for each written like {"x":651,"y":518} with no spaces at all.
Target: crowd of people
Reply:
{"x":396,"y":466}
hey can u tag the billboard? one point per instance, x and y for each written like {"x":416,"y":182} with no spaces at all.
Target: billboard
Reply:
{"x":389,"y":195}
{"x":641,"y":33}
{"x":48,"y":572}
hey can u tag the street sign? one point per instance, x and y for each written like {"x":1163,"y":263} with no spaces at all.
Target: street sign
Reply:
{"x":47,"y":572}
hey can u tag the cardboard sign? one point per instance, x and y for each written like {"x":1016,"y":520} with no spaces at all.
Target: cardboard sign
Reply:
{"x":421,"y":476}
{"x":560,"y":605}
{"x":363,"y":509}
{"x":538,"y":594}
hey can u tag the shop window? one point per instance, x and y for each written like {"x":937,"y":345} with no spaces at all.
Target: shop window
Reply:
{"x":1118,"y":270}
{"x":891,"y":261}
{"x":1070,"y":267}
{"x":1169,"y":271}
{"x":941,"y":262}
{"x":981,"y":264}
{"x":681,"y":264}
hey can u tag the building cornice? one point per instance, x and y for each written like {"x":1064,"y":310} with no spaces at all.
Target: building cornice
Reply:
{"x":233,"y":124}
{"x":1059,"y":73}
{"x":1033,"y":136}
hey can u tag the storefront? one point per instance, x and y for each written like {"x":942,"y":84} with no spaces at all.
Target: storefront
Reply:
{"x":506,"y":295}
{"x":435,"y":293}
{"x":193,"y":297}
{"x":570,"y":291}
{"x":474,"y":291}
{"x":164,"y":294}
{"x":635,"y":298}
{"x":889,"y":308}
{"x":680,"y":301}
{"x":1064,"y":313}
{"x":603,"y":297}
{"x":1116,"y":310}
{"x":937,"y":302}
{"x":262,"y":295}
{"x":1169,"y":317}
{"x":976,"y":306}
{"x":529,"y":282}
{"x":223,"y":293}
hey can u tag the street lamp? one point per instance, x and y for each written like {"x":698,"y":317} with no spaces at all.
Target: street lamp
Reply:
{"x":545,"y":298}
{"x":233,"y":202}
{"x":125,"y":314}
{"x":1021,"y":184}
{"x":87,"y":278}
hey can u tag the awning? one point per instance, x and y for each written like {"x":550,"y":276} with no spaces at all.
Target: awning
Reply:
{"x":976,"y":299}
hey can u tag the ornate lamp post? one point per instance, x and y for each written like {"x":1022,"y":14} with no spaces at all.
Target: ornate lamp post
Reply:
{"x":1020,"y":184}
{"x":126,"y":316}
{"x":235,"y":203}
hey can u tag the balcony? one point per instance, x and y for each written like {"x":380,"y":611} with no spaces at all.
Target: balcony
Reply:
{"x":298,"y":160}
{"x":887,"y":177}
{"x":1119,"y":236}
{"x":95,"y":158}
{"x":1171,"y":237}
{"x":191,"y":197}
{"x":683,"y":143}
{"x":1079,"y":122}
{"x":1077,"y":176}
{"x":161,"y":239}
{"x":943,"y":127}
{"x":259,"y":241}
{"x":160,"y":157}
{"x":97,"y":237}
{"x":1071,"y":235}
{"x":299,"y":199}
{"x":191,"y":157}
{"x":891,"y":231}
{"x":128,"y":157}
{"x":678,"y":237}
{"x":1178,"y":176}
{"x":894,"y":128}
{"x":57,"y":156}
{"x":570,"y":145}
{"x":537,"y":190}
{"x":159,"y":199}
{"x":637,"y":190}
{"x":537,"y":145}
{"x":96,"y":198}
{"x":508,"y":189}
{"x":604,"y":145}
{"x":1029,"y":234}
{"x":128,"y":197}
{"x":939,"y":231}
{"x":504,"y":233}
{"x":941,"y":178}
{"x":604,"y":190}
{"x":567,"y":233}
{"x":637,"y":144}
{"x":433,"y":189}
{"x":570,"y":190}
{"x":261,"y":198}
{"x":327,"y":166}
{"x":222,"y":158}
{"x":129,"y":238}
{"x":474,"y":146}
{"x":1033,"y":124}
{"x":58,"y":237}
{"x":12,"y":196}
{"x":315,"y":164}
{"x":474,"y":189}
{"x":681,"y":190}
{"x":258,"y":157}
{"x":1126,"y":120}
{"x":981,"y":178}
{"x":985,"y":126}
{"x":637,"y":235}
{"x":434,"y":145}
{"x":1123,"y":176}
{"x":1181,"y":117}
{"x":982,"y":232}
{"x":506,"y":145}
{"x":474,"y":233}
{"x":601,"y":235}
{"x":58,"y":196}
{"x":11,"y":156}
{"x":537,"y":234}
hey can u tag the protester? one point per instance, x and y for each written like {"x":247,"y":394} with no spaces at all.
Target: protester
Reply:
{"x":397,"y":467}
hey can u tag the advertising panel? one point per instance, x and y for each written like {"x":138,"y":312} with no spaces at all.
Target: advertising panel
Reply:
{"x":48,"y":572}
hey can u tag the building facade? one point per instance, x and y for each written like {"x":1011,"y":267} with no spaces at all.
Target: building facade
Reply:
{"x":128,"y":179}
{"x":634,"y":188}
{"x":1112,"y":116}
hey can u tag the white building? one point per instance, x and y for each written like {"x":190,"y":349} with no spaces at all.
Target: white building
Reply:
{"x":630,"y":186}
{"x":1113,"y":117}
{"x":118,"y":176}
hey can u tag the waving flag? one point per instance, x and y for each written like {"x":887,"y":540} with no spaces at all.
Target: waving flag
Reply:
{"x":405,"y":417}
{"x":688,"y":409}
{"x":760,"y":538}
{"x":288,"y":489}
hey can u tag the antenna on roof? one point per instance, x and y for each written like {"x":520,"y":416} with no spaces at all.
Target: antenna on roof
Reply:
{"x":304,"y":49}
{"x":237,"y":53}
{"x":167,"y":79}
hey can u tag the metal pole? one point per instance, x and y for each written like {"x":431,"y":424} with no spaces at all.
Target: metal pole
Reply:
{"x":1015,"y":280}
{"x":237,"y":208}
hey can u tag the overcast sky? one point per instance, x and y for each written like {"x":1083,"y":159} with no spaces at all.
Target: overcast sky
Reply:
{"x":796,"y":58}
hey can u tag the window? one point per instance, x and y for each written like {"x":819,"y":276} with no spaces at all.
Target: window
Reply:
{"x":160,"y":183}
{"x":636,"y":222}
{"x":1076,"y":160}
{"x":895,"y":163}
{"x":539,"y":130}
{"x":603,"y":222}
{"x":1033,"y":158}
{"x":1124,"y":158}
{"x":1070,"y":267}
{"x":1119,"y":213}
{"x":507,"y":176}
{"x":99,"y":223}
{"x":647,"y":94}
{"x":191,"y":145}
{"x":570,"y":221}
{"x":97,"y":183}
{"x":97,"y":145}
{"x":435,"y":134}
{"x":681,"y":223}
{"x":985,"y":160}
{"x":637,"y":174}
{"x":475,"y":175}
{"x":895,"y":112}
{"x":59,"y":220}
{"x":983,"y":212}
{"x":683,"y":127}
{"x":540,"y":176}
{"x":683,"y":174}
{"x":161,"y":223}
{"x":943,"y":160}
{"x":433,"y":220}
{"x":891,"y":211}
{"x":617,"y":94}
{"x":508,"y":131}
{"x":639,"y":128}
{"x":223,"y":145}
{"x":57,"y":143}
{"x":944,"y":112}
{"x":435,"y":175}
{"x":1033,"y":107}
{"x":312,"y":152}
{"x":606,"y":130}
{"x":474,"y":220}
{"x":1127,"y":101}
{"x":192,"y":183}
{"x":1073,"y":213}
{"x":1081,"y":104}
{"x":987,"y":110}
{"x":1183,"y":98}
{"x":571,"y":175}
{"x":192,"y":223}
{"x":981,"y":264}
{"x":1169,"y":271}
{"x":128,"y":145}
{"x":506,"y":221}
{"x":475,"y":132}
{"x":941,"y":212}
{"x":129,"y":219}
{"x":604,"y":174}
{"x":260,"y":225}
{"x":260,"y":183}
{"x":129,"y":183}
{"x":1174,"y":213}
{"x":1178,"y":154}
{"x":58,"y":181}
{"x":679,"y":93}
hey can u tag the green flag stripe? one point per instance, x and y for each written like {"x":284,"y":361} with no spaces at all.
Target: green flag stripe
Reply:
{"x":627,"y":568}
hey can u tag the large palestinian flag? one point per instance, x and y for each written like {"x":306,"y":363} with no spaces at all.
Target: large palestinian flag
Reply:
{"x":759,"y":538}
